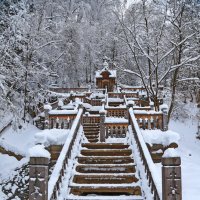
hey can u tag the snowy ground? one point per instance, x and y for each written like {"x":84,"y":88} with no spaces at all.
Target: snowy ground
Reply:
{"x":18,"y":142}
{"x":190,"y":156}
{"x":11,"y":164}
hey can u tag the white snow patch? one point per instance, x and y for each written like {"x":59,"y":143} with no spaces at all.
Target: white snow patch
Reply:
{"x":47,"y":107}
{"x":159,"y":137}
{"x":39,"y":151}
{"x":115,"y":120}
{"x":171,"y":153}
{"x":189,"y":149}
{"x":51,"y":137}
{"x":8,"y":164}
{"x":63,"y":112}
{"x":19,"y":141}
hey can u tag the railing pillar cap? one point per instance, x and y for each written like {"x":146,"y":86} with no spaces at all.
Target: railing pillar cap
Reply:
{"x":130,"y":104}
{"x":103,"y":101}
{"x":39,"y":161}
{"x":47,"y":107}
{"x":164,"y":108}
{"x":80,"y":105}
{"x":171,"y":157}
{"x":38,"y":152}
{"x":102,"y":112}
{"x":173,"y":161}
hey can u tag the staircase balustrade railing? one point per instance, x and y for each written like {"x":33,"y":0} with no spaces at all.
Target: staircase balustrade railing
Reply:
{"x":116,"y":130}
{"x":55,"y":180}
{"x":151,"y":173}
{"x":117,"y":112}
{"x":91,"y":119}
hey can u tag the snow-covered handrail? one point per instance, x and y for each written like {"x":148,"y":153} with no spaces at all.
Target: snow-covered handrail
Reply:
{"x":58,"y":171}
{"x":155,"y":182}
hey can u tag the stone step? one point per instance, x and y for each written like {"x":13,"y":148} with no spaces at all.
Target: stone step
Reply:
{"x":89,"y":124}
{"x":105,"y":160}
{"x":89,"y":132}
{"x":92,"y":136}
{"x":94,"y":140}
{"x":105,"y":146}
{"x":96,"y":131}
{"x":105,"y":169}
{"x":92,"y":133}
{"x":104,"y":179}
{"x":104,"y":190}
{"x":106,"y":152}
{"x":91,"y":127}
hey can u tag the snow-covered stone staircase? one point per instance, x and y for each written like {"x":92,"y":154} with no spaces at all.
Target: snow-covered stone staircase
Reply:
{"x":105,"y":169}
{"x":91,"y":131}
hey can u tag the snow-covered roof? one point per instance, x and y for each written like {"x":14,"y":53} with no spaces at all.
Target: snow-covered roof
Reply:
{"x":115,"y":100}
{"x":68,"y":107}
{"x":95,"y":108}
{"x":112,"y":73}
{"x":97,"y":95}
{"x":62,"y":112}
{"x":149,"y":112}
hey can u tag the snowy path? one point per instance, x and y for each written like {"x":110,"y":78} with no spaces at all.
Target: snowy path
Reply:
{"x":190,"y":155}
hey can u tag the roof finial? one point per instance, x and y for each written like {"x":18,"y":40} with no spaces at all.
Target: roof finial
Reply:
{"x":105,"y":65}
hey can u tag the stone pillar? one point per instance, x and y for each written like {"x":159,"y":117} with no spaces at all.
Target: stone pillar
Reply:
{"x":38,"y":182}
{"x":152,"y":105}
{"x":165,"y":119}
{"x":171,"y":178}
{"x":60,"y":104}
{"x":103,"y":103}
{"x":102,"y":125}
{"x":130,"y":104}
{"x":47,"y":108}
{"x":80,"y":106}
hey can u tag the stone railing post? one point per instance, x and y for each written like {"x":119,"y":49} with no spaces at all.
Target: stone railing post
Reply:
{"x":102,"y":125}
{"x":165,"y":118}
{"x":47,"y":108}
{"x":171,"y":178}
{"x":38,"y":175}
{"x":130,"y":104}
{"x":152,"y":105}
{"x":60,"y":104}
{"x":103,"y":103}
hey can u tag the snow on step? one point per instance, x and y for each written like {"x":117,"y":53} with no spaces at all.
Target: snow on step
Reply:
{"x":105,"y":169}
{"x":94,"y":197}
{"x":105,"y":146}
{"x":106,"y":189}
{"x":105,"y":160}
{"x":105,"y":179}
{"x":106,"y":152}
